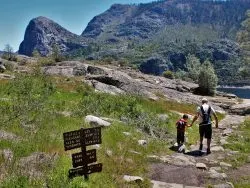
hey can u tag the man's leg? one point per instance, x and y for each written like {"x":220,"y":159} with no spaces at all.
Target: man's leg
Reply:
{"x":201,"y":141}
{"x":201,"y":131}
{"x":208,"y":143}
{"x":208,"y":135}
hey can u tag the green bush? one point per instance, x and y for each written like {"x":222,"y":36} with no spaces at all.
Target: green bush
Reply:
{"x":123,"y":62}
{"x":168,"y":74}
{"x":46,"y":61}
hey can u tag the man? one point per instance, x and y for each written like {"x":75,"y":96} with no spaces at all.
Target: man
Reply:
{"x":204,"y":113}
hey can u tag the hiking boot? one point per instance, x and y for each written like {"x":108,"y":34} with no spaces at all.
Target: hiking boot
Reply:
{"x":208,"y":151}
{"x":201,"y":146}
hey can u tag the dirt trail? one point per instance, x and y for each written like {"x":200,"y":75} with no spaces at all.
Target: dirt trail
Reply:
{"x":196,"y":169}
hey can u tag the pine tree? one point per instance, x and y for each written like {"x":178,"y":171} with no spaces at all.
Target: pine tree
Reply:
{"x":193,"y":66}
{"x":207,"y":79}
{"x":56,"y":53}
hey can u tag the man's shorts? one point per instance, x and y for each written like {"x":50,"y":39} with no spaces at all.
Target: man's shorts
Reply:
{"x":206,"y":130}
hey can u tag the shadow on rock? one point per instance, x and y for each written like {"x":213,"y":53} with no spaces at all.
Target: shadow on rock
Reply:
{"x":195,"y":153}
{"x":174,"y":148}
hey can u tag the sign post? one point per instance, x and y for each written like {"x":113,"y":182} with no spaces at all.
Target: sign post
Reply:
{"x":81,"y":139}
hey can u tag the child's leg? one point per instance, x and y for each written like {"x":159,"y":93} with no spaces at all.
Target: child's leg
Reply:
{"x":183,"y":137}
{"x":178,"y":138}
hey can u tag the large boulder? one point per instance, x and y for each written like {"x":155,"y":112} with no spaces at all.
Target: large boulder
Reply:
{"x":240,"y":109}
{"x":67,"y":68}
{"x":96,"y":121}
{"x":33,"y":165}
{"x":9,"y":136}
{"x":136,"y":179}
{"x":124,"y":83}
{"x":2,"y":68}
{"x":102,"y":87}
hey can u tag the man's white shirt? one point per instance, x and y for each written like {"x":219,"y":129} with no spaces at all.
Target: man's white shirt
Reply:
{"x":205,"y":107}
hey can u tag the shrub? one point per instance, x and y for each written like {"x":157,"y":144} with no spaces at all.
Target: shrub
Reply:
{"x":168,"y":74}
{"x":123,"y":62}
{"x":181,"y":74}
{"x":9,"y":65}
{"x":207,"y":79}
{"x":193,"y":67}
{"x":46,"y":61}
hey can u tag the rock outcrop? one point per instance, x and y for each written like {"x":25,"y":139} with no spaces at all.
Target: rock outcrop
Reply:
{"x":96,"y":121}
{"x":32,"y":165}
{"x":42,"y":34}
{"x":9,"y":136}
{"x":241,"y":109}
{"x":116,"y":80}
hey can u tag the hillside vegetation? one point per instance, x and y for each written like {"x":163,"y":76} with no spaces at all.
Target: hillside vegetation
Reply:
{"x":38,"y":109}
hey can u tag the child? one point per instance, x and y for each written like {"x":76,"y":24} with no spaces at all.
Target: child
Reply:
{"x":181,"y":126}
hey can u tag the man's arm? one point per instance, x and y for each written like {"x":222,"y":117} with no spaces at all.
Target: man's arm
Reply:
{"x":194,"y":119}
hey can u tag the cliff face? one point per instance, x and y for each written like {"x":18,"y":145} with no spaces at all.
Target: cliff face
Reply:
{"x":42,"y":33}
{"x":104,"y":22}
{"x":144,"y":20}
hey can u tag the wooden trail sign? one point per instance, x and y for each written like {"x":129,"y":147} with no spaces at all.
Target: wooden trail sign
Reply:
{"x":81,"y":171}
{"x":80,"y":139}
{"x":92,"y":136}
{"x":72,"y":140}
{"x":77,"y":158}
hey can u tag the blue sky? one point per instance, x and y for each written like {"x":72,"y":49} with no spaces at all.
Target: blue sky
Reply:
{"x":74,"y":15}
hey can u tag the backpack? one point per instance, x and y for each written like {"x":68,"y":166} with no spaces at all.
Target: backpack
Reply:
{"x":181,"y":124}
{"x":205,"y":115}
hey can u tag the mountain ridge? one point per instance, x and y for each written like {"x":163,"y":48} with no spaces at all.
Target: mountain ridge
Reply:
{"x":144,"y":19}
{"x":122,"y":23}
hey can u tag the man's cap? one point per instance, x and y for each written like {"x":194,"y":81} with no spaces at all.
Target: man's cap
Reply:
{"x":204,"y":100}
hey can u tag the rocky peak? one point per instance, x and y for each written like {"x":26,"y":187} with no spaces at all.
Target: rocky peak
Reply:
{"x":42,"y":33}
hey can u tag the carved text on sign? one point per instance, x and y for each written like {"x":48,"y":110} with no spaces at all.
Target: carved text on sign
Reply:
{"x":79,"y":160}
{"x":92,"y":136}
{"x":72,"y":140}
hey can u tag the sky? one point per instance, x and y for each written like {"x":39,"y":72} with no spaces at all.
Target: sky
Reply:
{"x":73,"y":15}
